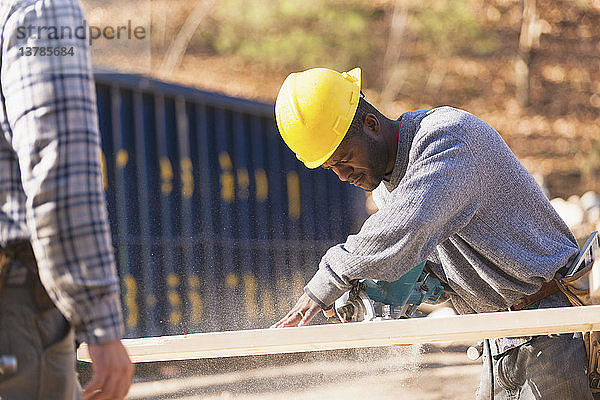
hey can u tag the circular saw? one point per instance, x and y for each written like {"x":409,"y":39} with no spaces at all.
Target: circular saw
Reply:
{"x":369,"y":299}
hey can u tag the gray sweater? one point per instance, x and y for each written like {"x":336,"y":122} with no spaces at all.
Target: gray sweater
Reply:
{"x":459,"y":198}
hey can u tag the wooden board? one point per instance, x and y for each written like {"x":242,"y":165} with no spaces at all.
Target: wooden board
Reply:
{"x":365,"y":334}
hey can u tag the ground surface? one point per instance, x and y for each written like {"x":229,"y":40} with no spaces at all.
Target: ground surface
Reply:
{"x":414,"y":372}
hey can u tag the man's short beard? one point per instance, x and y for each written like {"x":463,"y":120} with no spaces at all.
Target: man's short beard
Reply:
{"x":378,"y":165}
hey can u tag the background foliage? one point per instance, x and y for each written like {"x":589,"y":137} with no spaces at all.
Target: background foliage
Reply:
{"x":414,"y":54}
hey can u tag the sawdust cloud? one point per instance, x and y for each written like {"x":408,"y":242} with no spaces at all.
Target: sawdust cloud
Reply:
{"x":297,"y":373}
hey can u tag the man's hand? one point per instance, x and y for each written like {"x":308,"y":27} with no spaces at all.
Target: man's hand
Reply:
{"x":112,"y":372}
{"x":301,"y":314}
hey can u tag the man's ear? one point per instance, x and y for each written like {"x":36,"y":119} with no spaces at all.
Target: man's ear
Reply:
{"x":371,"y":124}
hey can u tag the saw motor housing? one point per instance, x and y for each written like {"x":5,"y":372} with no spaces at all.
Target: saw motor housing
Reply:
{"x":373,"y":299}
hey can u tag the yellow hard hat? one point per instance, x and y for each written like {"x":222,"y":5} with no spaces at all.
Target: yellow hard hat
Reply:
{"x":314,"y":110}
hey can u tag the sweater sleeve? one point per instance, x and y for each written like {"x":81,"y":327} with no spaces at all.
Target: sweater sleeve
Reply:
{"x":436,"y":197}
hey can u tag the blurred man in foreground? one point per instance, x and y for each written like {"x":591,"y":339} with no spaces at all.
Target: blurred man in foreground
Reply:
{"x":57,"y":269}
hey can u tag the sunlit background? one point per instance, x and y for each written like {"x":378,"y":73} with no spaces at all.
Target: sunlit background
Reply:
{"x":532,"y":70}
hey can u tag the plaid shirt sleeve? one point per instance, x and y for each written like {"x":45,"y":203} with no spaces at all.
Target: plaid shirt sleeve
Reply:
{"x":50,"y":109}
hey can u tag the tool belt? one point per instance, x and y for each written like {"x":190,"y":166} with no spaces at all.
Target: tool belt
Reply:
{"x":546,"y":290}
{"x":21,"y":251}
{"x":576,"y":288}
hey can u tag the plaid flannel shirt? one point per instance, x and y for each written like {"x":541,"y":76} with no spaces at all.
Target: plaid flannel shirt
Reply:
{"x":50,"y":176}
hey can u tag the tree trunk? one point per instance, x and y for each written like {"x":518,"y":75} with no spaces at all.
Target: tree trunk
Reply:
{"x":528,"y":41}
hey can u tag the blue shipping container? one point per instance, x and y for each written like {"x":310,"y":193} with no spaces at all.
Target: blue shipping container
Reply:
{"x":216,"y":225}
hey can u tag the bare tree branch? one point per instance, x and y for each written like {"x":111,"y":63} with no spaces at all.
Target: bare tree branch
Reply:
{"x":179,"y":46}
{"x":531,"y":30}
{"x":393,"y":53}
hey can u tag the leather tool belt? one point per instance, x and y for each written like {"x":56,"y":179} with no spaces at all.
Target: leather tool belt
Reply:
{"x":577,"y":297}
{"x":21,"y":251}
{"x":575,"y":284}
{"x":576,"y":288}
{"x":546,"y":290}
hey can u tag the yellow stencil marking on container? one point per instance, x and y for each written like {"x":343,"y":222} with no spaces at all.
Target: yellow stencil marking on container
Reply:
{"x":268,"y":304}
{"x":195,"y":299}
{"x":174,"y":299}
{"x":172,"y":280}
{"x":122,"y":158}
{"x":243,"y":180}
{"x":262,"y":185}
{"x":166,"y":175}
{"x":187,"y":178}
{"x":250,"y":297}
{"x":175,"y":318}
{"x":130,"y":296}
{"x":197,"y":307}
{"x":232,"y":280}
{"x":225,"y":161}
{"x":227,"y":178}
{"x":103,"y":171}
{"x":293,"y":186}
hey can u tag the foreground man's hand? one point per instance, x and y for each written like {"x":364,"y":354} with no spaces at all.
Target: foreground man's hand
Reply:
{"x":112,"y":372}
{"x":301,"y":314}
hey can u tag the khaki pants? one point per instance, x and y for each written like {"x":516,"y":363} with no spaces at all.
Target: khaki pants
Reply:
{"x":44,"y":346}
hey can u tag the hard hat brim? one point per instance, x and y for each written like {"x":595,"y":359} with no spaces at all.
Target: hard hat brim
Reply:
{"x":319,"y":162}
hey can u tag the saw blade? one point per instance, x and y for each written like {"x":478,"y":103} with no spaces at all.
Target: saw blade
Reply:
{"x":354,"y":306}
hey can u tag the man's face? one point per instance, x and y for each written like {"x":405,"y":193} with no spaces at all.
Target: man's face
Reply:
{"x":360,"y":159}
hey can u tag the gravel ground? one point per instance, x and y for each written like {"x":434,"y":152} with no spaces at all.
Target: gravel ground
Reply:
{"x":412,"y":372}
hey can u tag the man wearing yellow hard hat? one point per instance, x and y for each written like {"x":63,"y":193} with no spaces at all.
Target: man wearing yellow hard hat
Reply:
{"x":449,"y":192}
